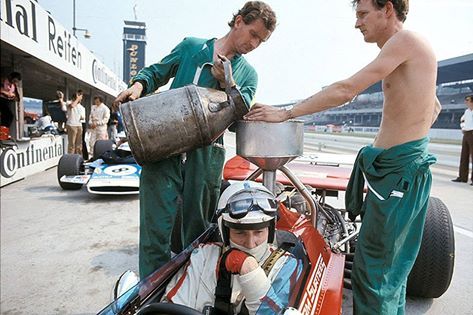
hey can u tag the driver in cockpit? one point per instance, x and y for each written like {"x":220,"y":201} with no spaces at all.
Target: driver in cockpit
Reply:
{"x":246,"y":274}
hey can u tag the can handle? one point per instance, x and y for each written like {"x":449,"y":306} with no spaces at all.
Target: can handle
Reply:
{"x":228,"y":82}
{"x":215,"y":107}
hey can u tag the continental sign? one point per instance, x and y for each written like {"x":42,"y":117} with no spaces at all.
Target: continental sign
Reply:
{"x":19,"y":161}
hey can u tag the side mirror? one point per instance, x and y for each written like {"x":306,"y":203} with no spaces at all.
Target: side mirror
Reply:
{"x":125,"y":282}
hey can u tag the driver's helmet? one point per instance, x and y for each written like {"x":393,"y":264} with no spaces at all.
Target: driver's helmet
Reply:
{"x":246,"y":205}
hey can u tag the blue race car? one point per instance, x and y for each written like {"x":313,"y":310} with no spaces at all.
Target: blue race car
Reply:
{"x":112,"y":171}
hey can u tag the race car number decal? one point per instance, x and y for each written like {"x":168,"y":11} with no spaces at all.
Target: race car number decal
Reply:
{"x":120,"y":170}
{"x":313,"y":288}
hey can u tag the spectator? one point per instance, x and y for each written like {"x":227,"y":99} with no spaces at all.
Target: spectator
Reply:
{"x":8,"y":96}
{"x":45,"y":123}
{"x":85,"y":150}
{"x":466,"y":124}
{"x":113,"y":126}
{"x":75,"y":113}
{"x":61,"y":124}
{"x":98,"y":119}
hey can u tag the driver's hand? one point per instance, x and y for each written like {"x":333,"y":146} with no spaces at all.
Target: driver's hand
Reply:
{"x":130,"y":94}
{"x":218,"y":71}
{"x":239,"y":262}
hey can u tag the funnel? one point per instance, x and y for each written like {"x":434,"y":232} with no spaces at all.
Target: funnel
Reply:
{"x":270,"y":145}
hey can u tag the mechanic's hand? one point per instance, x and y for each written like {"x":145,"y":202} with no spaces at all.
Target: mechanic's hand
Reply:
{"x":236,"y":261}
{"x":130,"y":94}
{"x":267,"y":113}
{"x":219,"y":73}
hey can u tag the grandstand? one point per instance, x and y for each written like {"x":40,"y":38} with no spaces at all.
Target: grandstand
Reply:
{"x":454,"y":82}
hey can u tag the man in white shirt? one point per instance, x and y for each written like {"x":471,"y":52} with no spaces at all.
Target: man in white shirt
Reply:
{"x":98,"y":119}
{"x":75,"y":113}
{"x":466,"y":124}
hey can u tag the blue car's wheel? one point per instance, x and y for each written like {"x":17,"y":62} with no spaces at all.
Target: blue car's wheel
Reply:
{"x":70,"y":164}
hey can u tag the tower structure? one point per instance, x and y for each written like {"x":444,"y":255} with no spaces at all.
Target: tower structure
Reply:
{"x":134,"y":44}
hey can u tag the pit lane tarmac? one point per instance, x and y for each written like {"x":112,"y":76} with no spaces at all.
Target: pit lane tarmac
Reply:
{"x":62,"y":251}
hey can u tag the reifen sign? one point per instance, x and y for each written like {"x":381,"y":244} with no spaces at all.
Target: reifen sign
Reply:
{"x":27,"y":26}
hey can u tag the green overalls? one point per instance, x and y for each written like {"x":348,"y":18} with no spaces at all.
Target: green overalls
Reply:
{"x":191,"y":187}
{"x":393,"y":215}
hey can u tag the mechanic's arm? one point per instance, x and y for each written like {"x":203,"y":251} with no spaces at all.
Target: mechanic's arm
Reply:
{"x":395,"y":52}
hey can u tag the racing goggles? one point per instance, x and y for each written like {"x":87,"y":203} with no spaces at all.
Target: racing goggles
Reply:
{"x":241,"y":204}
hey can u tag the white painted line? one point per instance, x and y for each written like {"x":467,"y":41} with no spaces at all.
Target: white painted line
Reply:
{"x":463,"y":231}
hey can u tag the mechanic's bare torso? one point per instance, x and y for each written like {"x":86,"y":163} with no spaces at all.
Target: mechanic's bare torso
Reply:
{"x":409,"y":96}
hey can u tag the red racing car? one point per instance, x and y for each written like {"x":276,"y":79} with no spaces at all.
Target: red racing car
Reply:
{"x":324,"y":243}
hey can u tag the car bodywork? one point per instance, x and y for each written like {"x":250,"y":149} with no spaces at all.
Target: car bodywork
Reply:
{"x":106,"y":179}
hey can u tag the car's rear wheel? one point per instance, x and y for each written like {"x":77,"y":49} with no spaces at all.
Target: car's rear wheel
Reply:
{"x":69,"y":164}
{"x":102,"y":146}
{"x":432,"y":272}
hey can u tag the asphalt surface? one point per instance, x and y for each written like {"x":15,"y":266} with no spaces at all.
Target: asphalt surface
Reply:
{"x":62,"y":251}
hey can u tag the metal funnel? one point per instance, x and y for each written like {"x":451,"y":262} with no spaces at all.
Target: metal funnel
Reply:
{"x":270,"y":145}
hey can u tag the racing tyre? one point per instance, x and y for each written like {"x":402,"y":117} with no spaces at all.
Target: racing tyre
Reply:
{"x":432,"y":272}
{"x":69,"y":164}
{"x":102,"y":146}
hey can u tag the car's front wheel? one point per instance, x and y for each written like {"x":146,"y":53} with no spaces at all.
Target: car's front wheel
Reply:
{"x":69,"y":164}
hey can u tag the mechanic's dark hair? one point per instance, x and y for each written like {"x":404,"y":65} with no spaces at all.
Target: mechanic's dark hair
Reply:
{"x":14,"y":75}
{"x":469,"y":98}
{"x":99,"y":97}
{"x":400,"y":6}
{"x":253,"y":10}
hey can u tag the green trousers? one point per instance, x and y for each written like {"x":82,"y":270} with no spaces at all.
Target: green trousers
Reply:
{"x":171,"y":186}
{"x":393,"y":216}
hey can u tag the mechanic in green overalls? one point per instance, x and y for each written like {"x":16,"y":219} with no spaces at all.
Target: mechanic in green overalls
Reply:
{"x":396,"y":167}
{"x":192,"y":186}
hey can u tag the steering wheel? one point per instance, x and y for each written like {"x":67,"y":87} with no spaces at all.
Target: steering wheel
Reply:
{"x":167,"y":309}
